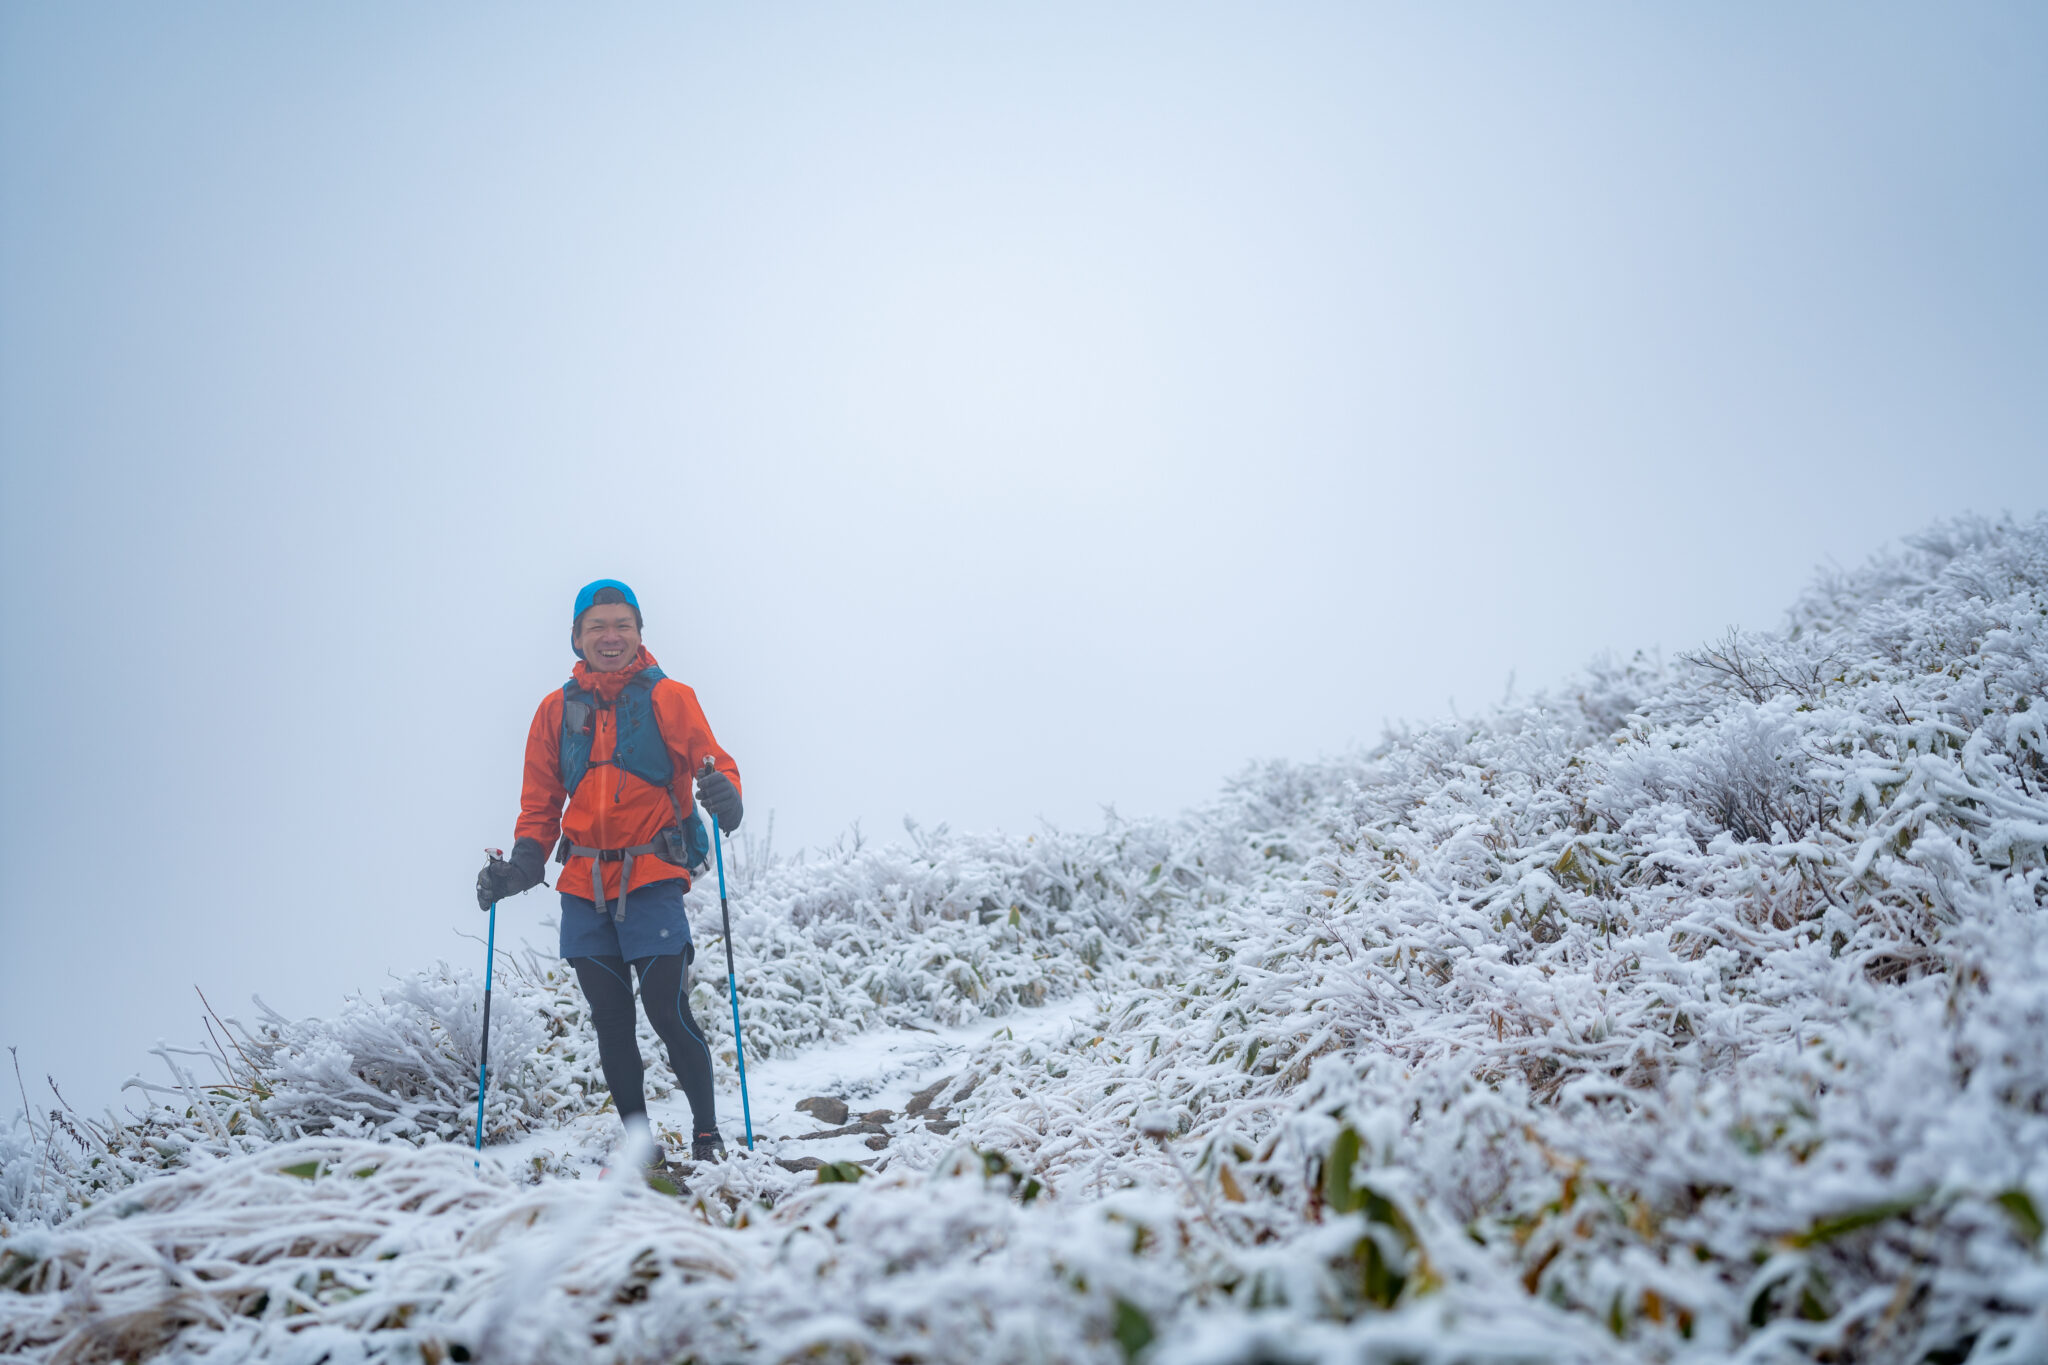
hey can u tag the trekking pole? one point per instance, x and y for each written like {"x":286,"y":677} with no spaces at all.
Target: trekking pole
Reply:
{"x":732,"y":980}
{"x":483,"y":1068}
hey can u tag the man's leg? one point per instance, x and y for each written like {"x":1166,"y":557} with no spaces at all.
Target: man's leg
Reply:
{"x":663,"y":994}
{"x":609,"y":990}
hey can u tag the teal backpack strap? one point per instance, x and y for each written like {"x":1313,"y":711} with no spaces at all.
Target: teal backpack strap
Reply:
{"x":579,"y":710}
{"x":642,"y":750}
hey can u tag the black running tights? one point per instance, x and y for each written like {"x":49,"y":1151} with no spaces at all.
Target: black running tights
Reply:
{"x":662,"y":992}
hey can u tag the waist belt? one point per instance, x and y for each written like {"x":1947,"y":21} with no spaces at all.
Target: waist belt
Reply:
{"x":598,"y":858}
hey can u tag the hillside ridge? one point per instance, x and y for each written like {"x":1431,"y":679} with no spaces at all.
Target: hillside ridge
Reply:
{"x":1688,"y":1009}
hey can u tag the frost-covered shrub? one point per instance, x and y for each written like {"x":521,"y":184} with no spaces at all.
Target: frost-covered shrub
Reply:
{"x":19,"y":1161}
{"x":403,"y":1063}
{"x":1745,"y":770}
{"x":954,"y":927}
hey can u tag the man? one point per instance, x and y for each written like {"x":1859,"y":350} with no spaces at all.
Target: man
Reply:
{"x":619,"y":742}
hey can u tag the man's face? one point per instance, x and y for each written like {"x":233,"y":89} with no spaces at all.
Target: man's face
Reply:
{"x":608,"y":637}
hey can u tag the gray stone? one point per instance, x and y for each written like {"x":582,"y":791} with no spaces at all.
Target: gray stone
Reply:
{"x":824,"y":1108}
{"x":833,"y":1132}
{"x":922,"y":1100}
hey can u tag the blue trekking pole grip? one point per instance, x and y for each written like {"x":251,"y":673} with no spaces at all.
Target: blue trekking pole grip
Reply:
{"x":483,"y":1066}
{"x":732,"y":979}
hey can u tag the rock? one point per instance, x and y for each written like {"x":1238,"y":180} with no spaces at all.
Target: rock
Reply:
{"x":824,"y":1108}
{"x":878,"y":1142}
{"x":944,"y":1125}
{"x":879,"y":1116}
{"x":802,"y":1163}
{"x":833,"y":1132}
{"x":922,"y":1100}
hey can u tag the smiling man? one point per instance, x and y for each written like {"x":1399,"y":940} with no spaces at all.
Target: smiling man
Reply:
{"x":619,"y":743}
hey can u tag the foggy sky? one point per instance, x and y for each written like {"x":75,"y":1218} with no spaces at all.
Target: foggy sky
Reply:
{"x":1002,"y":413}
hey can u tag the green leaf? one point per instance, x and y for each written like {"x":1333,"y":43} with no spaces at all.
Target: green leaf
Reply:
{"x":1383,"y":1257}
{"x":1827,"y":1229}
{"x":1132,"y":1328}
{"x":305,"y":1170}
{"x":1338,"y":1192}
{"x":840,"y":1173}
{"x":2019,"y":1206}
{"x":1380,"y":1279}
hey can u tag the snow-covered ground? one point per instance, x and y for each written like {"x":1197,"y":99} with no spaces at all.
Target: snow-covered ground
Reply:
{"x":1689,"y":1011}
{"x":879,"y":1070}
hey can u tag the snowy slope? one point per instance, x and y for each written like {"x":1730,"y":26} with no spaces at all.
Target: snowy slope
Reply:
{"x":1686,"y":1012}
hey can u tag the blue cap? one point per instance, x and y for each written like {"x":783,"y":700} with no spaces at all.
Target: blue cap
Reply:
{"x":588,"y":598}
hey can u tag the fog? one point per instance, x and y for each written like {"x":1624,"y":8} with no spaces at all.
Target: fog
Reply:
{"x":1003,"y":413}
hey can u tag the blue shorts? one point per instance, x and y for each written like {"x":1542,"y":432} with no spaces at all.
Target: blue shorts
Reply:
{"x":656,"y":925}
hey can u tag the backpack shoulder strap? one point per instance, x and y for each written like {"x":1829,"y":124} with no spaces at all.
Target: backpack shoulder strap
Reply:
{"x":690,"y":826}
{"x":573,"y":743}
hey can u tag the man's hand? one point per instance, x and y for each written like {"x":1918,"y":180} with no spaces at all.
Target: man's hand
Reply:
{"x":515,"y":874}
{"x":717,"y":794}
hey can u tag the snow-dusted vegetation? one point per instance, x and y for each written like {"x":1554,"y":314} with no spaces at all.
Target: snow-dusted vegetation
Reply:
{"x":1690,"y":1011}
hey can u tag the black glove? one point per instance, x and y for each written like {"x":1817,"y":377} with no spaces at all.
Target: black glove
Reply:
{"x":717,"y":794}
{"x":515,"y":874}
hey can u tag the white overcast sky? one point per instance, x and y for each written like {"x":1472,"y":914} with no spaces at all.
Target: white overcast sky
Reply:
{"x":1003,"y":411}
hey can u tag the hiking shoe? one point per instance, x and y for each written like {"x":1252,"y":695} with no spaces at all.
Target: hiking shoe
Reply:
{"x":707,"y":1147}
{"x":637,"y":1128}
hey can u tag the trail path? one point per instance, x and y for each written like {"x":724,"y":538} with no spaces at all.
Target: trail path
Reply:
{"x":879,"y":1069}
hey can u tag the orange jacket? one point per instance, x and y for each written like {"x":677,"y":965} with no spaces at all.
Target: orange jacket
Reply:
{"x":612,"y":808}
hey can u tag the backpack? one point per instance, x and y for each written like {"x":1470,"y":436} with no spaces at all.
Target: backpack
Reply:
{"x":641,"y":750}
